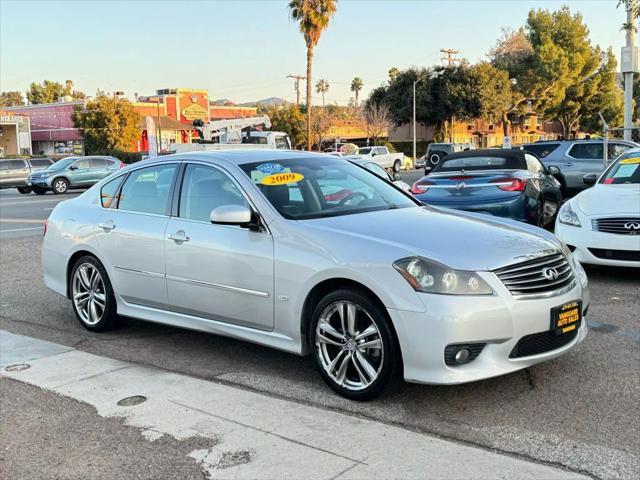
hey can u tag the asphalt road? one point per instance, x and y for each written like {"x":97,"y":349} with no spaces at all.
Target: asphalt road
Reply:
{"x":580,"y":411}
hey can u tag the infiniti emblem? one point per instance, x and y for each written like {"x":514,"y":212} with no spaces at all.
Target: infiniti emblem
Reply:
{"x":460,"y":185}
{"x":550,"y":273}
{"x":635,"y":226}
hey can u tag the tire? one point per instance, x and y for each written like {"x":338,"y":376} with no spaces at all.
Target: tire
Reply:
{"x":396,"y":166}
{"x":60,"y":185}
{"x":39,"y":191}
{"x":352,"y":371}
{"x":89,"y":280}
{"x":24,"y":190}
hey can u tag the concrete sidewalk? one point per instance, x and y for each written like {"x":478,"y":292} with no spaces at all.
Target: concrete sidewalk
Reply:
{"x":251,"y":435}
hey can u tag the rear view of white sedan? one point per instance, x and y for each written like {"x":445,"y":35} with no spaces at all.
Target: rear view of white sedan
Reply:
{"x":602,"y":224}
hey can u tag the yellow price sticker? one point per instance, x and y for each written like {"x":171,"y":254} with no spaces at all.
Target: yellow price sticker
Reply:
{"x":630,"y":161}
{"x":282,"y":178}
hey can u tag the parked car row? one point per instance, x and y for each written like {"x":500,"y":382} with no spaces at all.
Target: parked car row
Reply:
{"x":42,"y":174}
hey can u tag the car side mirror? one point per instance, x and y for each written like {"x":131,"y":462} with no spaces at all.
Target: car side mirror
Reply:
{"x":73,"y":167}
{"x":589,"y":179}
{"x":397,"y":177}
{"x":553,"y":170}
{"x":233,"y":215}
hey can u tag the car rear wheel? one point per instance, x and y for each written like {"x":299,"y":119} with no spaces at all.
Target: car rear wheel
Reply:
{"x":92,"y":295}
{"x":24,"y":190}
{"x":354,"y":346}
{"x":60,"y":185}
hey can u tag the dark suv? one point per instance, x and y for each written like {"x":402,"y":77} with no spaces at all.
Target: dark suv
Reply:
{"x":577,"y":158}
{"x":14,"y":171}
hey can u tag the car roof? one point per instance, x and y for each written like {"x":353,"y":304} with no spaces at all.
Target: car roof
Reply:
{"x":242,"y":156}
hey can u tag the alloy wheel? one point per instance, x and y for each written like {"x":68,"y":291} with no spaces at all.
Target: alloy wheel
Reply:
{"x":60,"y":186}
{"x":349,"y":345}
{"x":89,"y":294}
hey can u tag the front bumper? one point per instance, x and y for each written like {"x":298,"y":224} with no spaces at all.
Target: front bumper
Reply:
{"x":41,"y":182}
{"x":499,"y":321}
{"x":583,"y":238}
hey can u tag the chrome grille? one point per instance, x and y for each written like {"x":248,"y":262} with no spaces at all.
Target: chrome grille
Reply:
{"x":540,"y":275}
{"x":620,"y":225}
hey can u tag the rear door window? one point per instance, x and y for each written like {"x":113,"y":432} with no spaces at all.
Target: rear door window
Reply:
{"x":587,"y":151}
{"x":541,"y":150}
{"x":82,"y":164}
{"x":147,"y":190}
{"x":614,"y":150}
{"x":16,"y":164}
{"x":108,"y":192}
{"x":99,"y":163}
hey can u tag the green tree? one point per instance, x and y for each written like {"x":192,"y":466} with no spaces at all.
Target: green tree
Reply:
{"x":495,"y":93}
{"x":11,"y":99}
{"x":356,"y":86}
{"x":288,"y":119}
{"x":393,"y":74}
{"x":50,"y":91}
{"x":322,"y":86}
{"x":313,"y":17}
{"x":107,"y":124}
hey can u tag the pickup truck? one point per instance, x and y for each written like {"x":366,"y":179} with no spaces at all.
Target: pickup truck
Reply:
{"x":382,"y":157}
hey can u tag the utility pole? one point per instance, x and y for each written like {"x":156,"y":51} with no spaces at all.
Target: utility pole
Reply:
{"x":297,"y":78}
{"x":629,"y":65}
{"x":415,"y":82}
{"x":450,"y":56}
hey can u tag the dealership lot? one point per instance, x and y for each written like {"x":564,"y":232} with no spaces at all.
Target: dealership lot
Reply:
{"x":579,"y":411}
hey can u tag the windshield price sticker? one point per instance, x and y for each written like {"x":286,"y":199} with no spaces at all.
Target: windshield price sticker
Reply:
{"x":270,"y":168}
{"x":282,"y":179}
{"x":626,"y":170}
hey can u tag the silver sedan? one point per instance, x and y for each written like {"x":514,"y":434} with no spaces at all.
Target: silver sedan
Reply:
{"x":308,"y":253}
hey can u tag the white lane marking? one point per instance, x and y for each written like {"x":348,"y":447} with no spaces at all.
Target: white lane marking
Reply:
{"x":33,"y":201}
{"x":21,"y":229}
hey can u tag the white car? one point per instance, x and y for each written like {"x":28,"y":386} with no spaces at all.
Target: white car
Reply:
{"x":602,"y":224}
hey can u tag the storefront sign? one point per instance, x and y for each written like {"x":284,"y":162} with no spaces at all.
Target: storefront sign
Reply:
{"x":195,"y":112}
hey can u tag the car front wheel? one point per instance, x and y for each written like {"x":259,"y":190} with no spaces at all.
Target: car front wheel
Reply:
{"x":39,"y":191}
{"x":354,"y":346}
{"x":24,"y":190}
{"x":92,"y":296}
{"x":60,"y":185}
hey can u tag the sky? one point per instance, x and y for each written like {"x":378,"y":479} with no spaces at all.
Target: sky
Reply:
{"x":243,"y":50}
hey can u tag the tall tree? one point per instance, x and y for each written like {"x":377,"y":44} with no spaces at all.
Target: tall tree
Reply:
{"x":50,"y":91}
{"x":313,"y":17}
{"x":107,"y":124}
{"x":356,"y":86}
{"x":322,"y":122}
{"x":494,"y":92}
{"x":11,"y":99}
{"x":378,"y":120}
{"x":322,"y":86}
{"x":289,"y":119}
{"x":393,"y":74}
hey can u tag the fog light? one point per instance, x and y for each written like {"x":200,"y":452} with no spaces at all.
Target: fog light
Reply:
{"x":462,"y":353}
{"x":462,"y":356}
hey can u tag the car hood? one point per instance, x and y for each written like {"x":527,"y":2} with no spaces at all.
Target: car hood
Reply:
{"x":609,"y":199}
{"x":460,"y":240}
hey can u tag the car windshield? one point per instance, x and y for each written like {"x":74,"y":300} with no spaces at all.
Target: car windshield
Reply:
{"x":62,"y":164}
{"x":625,"y":170}
{"x":306,"y":188}
{"x":364,"y":151}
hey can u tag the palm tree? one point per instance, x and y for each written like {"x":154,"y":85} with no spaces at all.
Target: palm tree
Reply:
{"x":313,"y":17}
{"x":321,"y":87}
{"x":356,"y":86}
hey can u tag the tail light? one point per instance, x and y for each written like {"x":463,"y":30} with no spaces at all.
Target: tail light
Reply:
{"x":511,"y":184}
{"x":46,"y":225}
{"x":420,"y":187}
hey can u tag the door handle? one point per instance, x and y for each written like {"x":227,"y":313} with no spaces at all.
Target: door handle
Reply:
{"x":107,"y":226}
{"x":568,"y":164}
{"x":178,"y":237}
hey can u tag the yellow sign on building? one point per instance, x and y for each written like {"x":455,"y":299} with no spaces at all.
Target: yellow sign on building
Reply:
{"x":195,"y":112}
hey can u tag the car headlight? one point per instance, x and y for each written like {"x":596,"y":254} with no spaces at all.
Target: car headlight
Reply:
{"x":568,"y":216}
{"x":432,"y":277}
{"x":580,"y":273}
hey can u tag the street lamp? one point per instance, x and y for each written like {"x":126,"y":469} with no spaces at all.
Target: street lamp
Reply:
{"x":415,"y":82}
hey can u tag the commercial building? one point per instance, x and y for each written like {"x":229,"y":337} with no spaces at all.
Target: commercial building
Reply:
{"x":15,"y":134}
{"x":52,"y":130}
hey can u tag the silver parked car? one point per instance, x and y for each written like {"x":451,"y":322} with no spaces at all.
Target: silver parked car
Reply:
{"x":257,"y":245}
{"x":577,"y":158}
{"x":14,"y":171}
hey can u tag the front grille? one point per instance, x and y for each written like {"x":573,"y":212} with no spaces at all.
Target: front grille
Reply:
{"x":540,"y":275}
{"x":541,"y":343}
{"x":625,"y":255}
{"x":620,"y":225}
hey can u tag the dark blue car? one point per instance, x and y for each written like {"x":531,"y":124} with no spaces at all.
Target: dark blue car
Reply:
{"x":504,"y":183}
